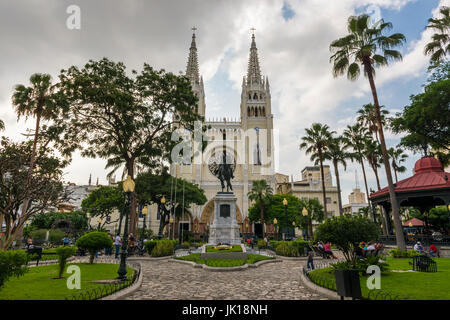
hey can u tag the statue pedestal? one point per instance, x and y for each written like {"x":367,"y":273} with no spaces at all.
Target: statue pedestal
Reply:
{"x":224,"y":229}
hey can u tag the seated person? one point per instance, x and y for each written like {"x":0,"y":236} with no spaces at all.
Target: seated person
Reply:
{"x":30,"y":243}
{"x":418,"y":247}
{"x":433,"y":250}
{"x":327,"y":249}
{"x":358,"y":251}
{"x":371,"y":248}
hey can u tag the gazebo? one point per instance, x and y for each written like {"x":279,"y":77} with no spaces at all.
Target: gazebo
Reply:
{"x":427,"y":188}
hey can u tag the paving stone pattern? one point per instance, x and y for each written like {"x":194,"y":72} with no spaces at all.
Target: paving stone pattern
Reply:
{"x":165,"y":280}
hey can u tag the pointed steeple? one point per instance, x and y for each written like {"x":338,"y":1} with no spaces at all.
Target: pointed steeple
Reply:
{"x":254,"y":71}
{"x":192,"y":66}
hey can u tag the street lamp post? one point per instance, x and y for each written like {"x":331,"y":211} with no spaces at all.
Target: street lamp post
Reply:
{"x":171,"y":226}
{"x":128,"y":188}
{"x":99,"y":223}
{"x":144,"y":213}
{"x":285,"y":203}
{"x":163,"y":203}
{"x":293,"y":231}
{"x":305,"y":215}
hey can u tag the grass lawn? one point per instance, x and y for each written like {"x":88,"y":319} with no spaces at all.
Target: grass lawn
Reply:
{"x":251,"y":258}
{"x":37,"y":283}
{"x":234,"y":248}
{"x":414,"y":285}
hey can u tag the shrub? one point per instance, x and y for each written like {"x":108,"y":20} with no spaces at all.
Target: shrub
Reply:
{"x":150,"y":245}
{"x":12,"y":263}
{"x":93,"y":242}
{"x":397,"y":253}
{"x":361,"y":264}
{"x":63,"y":254}
{"x":163,"y":248}
{"x":38,"y":234}
{"x":56,"y":236}
{"x":283,"y":249}
{"x":261,"y":244}
{"x":347,"y":232}
{"x":185,"y":245}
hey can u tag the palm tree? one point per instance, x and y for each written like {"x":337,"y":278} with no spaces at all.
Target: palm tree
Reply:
{"x":2,"y":125}
{"x":372,"y":154}
{"x":367,"y":47}
{"x":439,"y":46}
{"x":316,"y":142}
{"x":337,"y":153}
{"x":354,"y":136}
{"x":260,"y":192}
{"x":397,"y":156}
{"x":367,"y":117}
{"x":39,"y":100}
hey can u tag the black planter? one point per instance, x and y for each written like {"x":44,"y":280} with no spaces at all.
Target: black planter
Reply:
{"x":347,"y":283}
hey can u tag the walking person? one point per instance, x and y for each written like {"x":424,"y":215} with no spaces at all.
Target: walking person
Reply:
{"x":310,"y":261}
{"x":117,"y":244}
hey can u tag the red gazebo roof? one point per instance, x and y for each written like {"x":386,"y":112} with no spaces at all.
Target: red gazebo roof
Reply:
{"x":428,"y":174}
{"x":414,"y":222}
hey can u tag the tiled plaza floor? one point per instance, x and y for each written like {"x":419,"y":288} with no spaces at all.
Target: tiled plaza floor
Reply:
{"x":165,"y":280}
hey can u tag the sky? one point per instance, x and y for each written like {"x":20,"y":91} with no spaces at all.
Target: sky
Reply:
{"x":292,"y":36}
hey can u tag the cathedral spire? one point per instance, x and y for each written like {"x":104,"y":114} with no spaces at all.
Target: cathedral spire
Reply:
{"x":192,"y":66}
{"x":254,"y":71}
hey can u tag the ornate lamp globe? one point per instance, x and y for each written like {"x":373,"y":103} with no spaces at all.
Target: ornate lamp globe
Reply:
{"x":305,"y":212}
{"x":171,"y":220}
{"x":293,"y":223}
{"x":128,"y":185}
{"x":163,"y":200}
{"x":410,"y":224}
{"x":145,"y":211}
{"x":275,"y":221}
{"x":99,"y":220}
{"x":285,"y":202}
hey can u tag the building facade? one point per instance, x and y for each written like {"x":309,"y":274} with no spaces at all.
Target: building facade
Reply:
{"x":356,"y":201}
{"x":247,"y":141}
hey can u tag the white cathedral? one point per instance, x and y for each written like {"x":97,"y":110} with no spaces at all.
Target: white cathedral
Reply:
{"x":248,"y":143}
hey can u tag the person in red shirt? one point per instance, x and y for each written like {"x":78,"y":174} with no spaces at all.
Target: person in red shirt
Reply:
{"x":433,"y":250}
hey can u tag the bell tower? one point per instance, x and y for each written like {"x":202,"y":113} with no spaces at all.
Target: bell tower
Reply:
{"x":192,"y":72}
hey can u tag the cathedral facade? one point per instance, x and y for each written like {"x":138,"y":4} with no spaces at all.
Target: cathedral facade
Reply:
{"x":247,"y":141}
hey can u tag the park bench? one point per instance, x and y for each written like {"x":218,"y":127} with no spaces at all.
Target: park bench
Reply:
{"x":320,"y":252}
{"x":37,"y":250}
{"x":423,"y":264}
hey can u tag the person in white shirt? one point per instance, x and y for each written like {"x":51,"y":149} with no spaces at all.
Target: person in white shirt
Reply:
{"x":418,"y":247}
{"x":117,"y":244}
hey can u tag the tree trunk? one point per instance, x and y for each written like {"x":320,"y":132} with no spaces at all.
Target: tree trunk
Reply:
{"x":395,"y":209}
{"x":323,"y":185}
{"x":376,"y":177}
{"x":395,"y":173}
{"x":133,"y":202}
{"x":311,"y":235}
{"x":261,"y":211}
{"x":336,"y":170}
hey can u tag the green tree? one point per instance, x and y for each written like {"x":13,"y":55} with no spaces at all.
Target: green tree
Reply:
{"x":43,"y":101}
{"x":426,"y":121}
{"x":372,"y":152}
{"x":368,"y":47}
{"x":260,"y":192}
{"x":398,"y":156}
{"x":337,"y":153}
{"x":12,"y":263}
{"x":315,"y":213}
{"x":45,"y":220}
{"x":347,"y":232}
{"x":102,"y":202}
{"x":316,"y":142}
{"x":438,"y":217}
{"x":44,"y":187}
{"x":152,"y":187}
{"x":367,"y":117}
{"x":127,"y":120}
{"x":439,"y":46}
{"x":93,"y":242}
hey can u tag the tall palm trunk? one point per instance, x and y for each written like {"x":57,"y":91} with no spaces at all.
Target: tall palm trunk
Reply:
{"x":133,"y":217}
{"x":395,"y":209}
{"x":336,"y":171}
{"x":323,"y":184}
{"x":375,"y":171}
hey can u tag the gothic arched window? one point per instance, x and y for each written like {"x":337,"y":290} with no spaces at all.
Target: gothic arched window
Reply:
{"x":255,"y":97}
{"x":248,"y":111}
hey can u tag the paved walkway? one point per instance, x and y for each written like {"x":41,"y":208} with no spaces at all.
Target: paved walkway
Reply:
{"x":165,"y":280}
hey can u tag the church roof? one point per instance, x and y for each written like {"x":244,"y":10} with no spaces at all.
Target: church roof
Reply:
{"x":254,"y":71}
{"x":192,"y":70}
{"x":428,"y":175}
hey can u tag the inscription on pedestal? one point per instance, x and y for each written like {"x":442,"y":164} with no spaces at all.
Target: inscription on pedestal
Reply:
{"x":225,"y":210}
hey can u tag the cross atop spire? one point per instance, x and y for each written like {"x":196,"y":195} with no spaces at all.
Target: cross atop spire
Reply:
{"x":192,"y":71}
{"x":254,"y":71}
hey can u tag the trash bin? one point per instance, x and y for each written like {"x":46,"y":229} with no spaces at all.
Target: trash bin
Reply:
{"x":347,"y":283}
